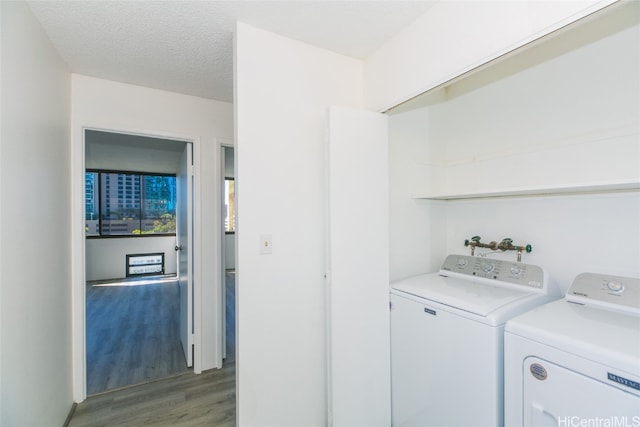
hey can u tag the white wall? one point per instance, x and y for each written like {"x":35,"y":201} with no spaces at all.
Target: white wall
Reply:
{"x":36,"y":371}
{"x":133,"y":158}
{"x":229,"y":162}
{"x":417,"y":233}
{"x":453,"y":37}
{"x":116,"y":106}
{"x":230,"y":251}
{"x":283,"y":91}
{"x":569,"y":234}
{"x":105,"y":258}
{"x":582,"y":96}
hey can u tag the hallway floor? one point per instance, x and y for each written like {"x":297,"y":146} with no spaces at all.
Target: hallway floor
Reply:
{"x":182,"y":400}
{"x":207,"y":399}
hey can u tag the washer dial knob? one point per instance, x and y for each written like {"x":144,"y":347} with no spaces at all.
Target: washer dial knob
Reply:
{"x":516,"y":270}
{"x":462,"y":263}
{"x":615,"y":286}
{"x":487,"y":267}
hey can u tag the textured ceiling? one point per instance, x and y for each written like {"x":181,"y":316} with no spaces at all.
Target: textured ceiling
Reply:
{"x":187,"y":46}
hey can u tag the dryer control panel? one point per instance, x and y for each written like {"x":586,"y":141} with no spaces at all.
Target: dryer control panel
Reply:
{"x":616,"y":292}
{"x":516,"y":273}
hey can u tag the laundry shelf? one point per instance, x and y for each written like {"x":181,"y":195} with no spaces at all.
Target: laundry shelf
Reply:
{"x":541,"y":191}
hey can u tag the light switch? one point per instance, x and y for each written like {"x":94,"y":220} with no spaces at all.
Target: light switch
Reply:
{"x":265,"y":244}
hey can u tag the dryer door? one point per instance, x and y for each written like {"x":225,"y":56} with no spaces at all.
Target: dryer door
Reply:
{"x":556,"y":396}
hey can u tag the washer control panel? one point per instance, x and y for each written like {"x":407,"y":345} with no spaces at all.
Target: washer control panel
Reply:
{"x":516,"y":273}
{"x":616,"y":290}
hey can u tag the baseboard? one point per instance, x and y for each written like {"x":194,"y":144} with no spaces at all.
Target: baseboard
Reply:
{"x":71,"y":411}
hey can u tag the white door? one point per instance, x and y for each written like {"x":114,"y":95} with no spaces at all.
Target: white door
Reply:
{"x":184,"y":244}
{"x":358,"y":270}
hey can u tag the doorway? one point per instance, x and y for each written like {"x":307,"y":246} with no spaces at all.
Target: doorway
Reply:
{"x":228,"y":252}
{"x":138,"y":327}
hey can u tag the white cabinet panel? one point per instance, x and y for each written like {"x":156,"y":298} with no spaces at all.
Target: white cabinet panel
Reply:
{"x":453,"y":38}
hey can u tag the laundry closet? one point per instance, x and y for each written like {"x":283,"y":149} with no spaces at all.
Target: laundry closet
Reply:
{"x":541,"y":145}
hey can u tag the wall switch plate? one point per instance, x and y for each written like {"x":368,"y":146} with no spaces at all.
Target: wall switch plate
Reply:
{"x":265,"y":244}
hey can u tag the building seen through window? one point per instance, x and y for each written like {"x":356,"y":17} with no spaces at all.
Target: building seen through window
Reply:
{"x":229,"y":205}
{"x":129,"y":204}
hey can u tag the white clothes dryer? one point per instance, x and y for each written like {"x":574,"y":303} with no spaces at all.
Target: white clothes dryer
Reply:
{"x":447,"y":332}
{"x":576,"y":361}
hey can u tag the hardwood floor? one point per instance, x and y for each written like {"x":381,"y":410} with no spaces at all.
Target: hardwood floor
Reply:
{"x":133,"y":334}
{"x":230,"y":314}
{"x":207,"y":399}
{"x":183,"y":400}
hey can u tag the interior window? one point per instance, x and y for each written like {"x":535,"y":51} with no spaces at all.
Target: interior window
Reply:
{"x":129,"y":204}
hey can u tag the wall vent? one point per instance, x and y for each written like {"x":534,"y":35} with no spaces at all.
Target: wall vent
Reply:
{"x":145,"y":264}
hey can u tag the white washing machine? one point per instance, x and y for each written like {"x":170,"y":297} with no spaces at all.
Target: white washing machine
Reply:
{"x":447,"y":333}
{"x":576,"y":361}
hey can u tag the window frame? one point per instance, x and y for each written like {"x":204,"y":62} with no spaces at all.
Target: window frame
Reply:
{"x":100,"y":208}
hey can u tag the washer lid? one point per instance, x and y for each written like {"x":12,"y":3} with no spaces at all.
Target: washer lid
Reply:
{"x":467,"y":295}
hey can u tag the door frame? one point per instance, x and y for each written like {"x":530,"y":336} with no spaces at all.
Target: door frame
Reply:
{"x":78,"y":266}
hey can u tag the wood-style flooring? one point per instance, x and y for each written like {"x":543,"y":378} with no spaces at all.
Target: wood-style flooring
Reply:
{"x":183,"y":400}
{"x":132,"y":334}
{"x":188,"y":399}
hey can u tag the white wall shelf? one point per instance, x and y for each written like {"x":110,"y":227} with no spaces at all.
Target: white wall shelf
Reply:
{"x":542,"y":191}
